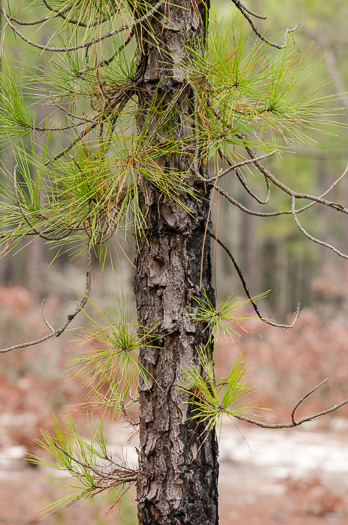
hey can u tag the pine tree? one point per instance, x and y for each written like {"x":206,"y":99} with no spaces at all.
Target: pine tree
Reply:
{"x":149,"y":112}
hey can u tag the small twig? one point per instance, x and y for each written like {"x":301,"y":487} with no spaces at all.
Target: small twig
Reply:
{"x":127,"y":418}
{"x":252,"y":13}
{"x":44,"y":317}
{"x":41,"y":20}
{"x":59,"y":331}
{"x":309,"y":236}
{"x":134,"y":399}
{"x":294,"y":422}
{"x":242,"y":163}
{"x":305,"y":397}
{"x":290,"y":192}
{"x":245,"y":12}
{"x":245,"y":185}
{"x":244,"y":284}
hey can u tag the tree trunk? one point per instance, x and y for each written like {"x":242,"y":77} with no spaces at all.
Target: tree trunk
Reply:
{"x":178,"y":466}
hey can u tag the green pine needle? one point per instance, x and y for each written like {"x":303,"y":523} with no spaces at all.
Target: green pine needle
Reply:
{"x":212,"y":397}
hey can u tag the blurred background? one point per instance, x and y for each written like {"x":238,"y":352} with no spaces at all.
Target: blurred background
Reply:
{"x":266,"y":477}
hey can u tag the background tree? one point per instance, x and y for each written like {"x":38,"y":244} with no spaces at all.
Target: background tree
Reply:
{"x":149,"y":116}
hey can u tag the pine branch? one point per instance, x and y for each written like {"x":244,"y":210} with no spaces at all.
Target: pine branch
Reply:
{"x":243,"y":208}
{"x":242,"y":163}
{"x":311,"y":237}
{"x":41,"y":20}
{"x":76,"y":22}
{"x":245,"y":287}
{"x":70,"y":317}
{"x":245,"y":12}
{"x":294,"y":422}
{"x":244,"y":184}
{"x":85,"y":44}
{"x":125,"y":475}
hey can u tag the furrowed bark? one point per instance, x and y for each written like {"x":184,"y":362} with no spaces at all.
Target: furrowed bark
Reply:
{"x":178,"y":466}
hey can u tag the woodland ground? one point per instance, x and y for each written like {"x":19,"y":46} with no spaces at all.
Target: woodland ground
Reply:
{"x":267,"y":477}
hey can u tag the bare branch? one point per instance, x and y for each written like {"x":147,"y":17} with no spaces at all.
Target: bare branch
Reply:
{"x":245,"y":12}
{"x":44,"y":316}
{"x":239,"y":205}
{"x":244,"y":284}
{"x":41,"y":20}
{"x":282,"y":212}
{"x":242,"y":163}
{"x":134,"y":399}
{"x":336,"y":206}
{"x":309,"y":236}
{"x":127,"y":418}
{"x":252,"y":13}
{"x":294,"y":422}
{"x":59,"y":331}
{"x":85,"y":44}
{"x":290,"y":192}
{"x":243,"y":208}
{"x":245,"y":185}
{"x":305,"y":397}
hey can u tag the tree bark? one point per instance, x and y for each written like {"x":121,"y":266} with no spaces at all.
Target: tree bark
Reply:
{"x":178,"y":460}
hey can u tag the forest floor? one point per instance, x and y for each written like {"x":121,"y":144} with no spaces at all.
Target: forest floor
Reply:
{"x":298,"y":476}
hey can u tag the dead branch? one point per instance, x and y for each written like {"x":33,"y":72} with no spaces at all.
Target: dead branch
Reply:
{"x":246,"y":12}
{"x":244,"y":183}
{"x":244,"y":284}
{"x":311,"y":237}
{"x":41,"y":20}
{"x":70,"y":317}
{"x":232,"y":167}
{"x":336,"y":206}
{"x":294,"y":422}
{"x":281,"y":212}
